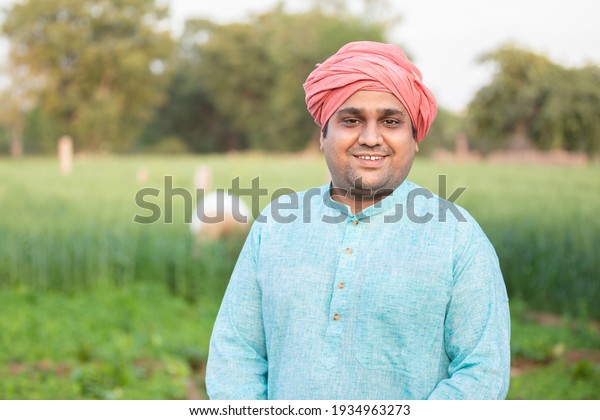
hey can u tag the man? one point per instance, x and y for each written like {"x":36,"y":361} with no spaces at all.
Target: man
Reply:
{"x":366,"y":289}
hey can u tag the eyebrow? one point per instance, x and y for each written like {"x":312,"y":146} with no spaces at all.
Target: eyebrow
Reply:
{"x":357,"y":111}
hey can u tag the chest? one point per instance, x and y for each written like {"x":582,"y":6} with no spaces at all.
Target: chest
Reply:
{"x":375,"y":271}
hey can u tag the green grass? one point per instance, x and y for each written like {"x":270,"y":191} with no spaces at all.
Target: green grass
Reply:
{"x":132,"y":342}
{"x":65,"y":233}
{"x":535,"y":341}
{"x":93,"y":305}
{"x":558,"y":358}
{"x":140,"y":342}
{"x":558,"y":381}
{"x":68,"y":232}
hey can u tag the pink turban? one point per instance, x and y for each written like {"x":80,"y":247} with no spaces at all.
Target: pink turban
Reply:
{"x":369,"y":66}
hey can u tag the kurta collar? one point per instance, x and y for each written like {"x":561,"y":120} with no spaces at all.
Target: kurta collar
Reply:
{"x":388,"y":203}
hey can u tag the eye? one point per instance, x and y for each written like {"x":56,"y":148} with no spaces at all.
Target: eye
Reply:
{"x":390,"y":122}
{"x":351,"y":122}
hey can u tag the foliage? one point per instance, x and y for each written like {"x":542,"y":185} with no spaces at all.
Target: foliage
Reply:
{"x":558,"y":381}
{"x":4,"y":141}
{"x":549,"y":341}
{"x":443,"y":132}
{"x":134,"y":342}
{"x":570,"y":117}
{"x":189,"y":112}
{"x":171,"y":145}
{"x":99,"y":66}
{"x":532,"y":101}
{"x":40,"y":132}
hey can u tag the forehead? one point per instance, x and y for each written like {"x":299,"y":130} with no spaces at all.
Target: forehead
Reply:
{"x":369,"y":100}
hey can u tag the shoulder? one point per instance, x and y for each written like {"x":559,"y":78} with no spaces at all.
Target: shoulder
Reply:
{"x":441,"y":217}
{"x":290,"y":208}
{"x":291,"y":205}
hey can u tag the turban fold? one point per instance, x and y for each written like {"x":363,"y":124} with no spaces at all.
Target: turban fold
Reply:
{"x":369,"y":66}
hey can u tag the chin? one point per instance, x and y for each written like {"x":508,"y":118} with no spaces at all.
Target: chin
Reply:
{"x":376,"y":183}
{"x":370,"y":188}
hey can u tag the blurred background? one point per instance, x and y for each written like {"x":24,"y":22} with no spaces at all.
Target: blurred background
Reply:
{"x":104,"y":100}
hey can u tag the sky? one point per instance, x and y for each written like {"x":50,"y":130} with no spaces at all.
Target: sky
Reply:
{"x":446,"y":37}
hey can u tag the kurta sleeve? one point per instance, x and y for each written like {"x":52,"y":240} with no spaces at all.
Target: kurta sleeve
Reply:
{"x":237,"y":360}
{"x":477,"y":325}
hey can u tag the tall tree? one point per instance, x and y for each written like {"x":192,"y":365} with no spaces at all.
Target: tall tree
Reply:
{"x":12,"y":116}
{"x":254,"y":71}
{"x":15,"y":102}
{"x":189,"y":113}
{"x":102,"y":64}
{"x":533,"y":102}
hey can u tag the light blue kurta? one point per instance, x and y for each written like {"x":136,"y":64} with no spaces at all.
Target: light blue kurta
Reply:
{"x":374,"y":306}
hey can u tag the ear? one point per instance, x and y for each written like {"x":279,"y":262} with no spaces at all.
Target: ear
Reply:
{"x":321,"y":140}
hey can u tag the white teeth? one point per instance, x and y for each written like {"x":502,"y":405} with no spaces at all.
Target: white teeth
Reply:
{"x":371,"y":157}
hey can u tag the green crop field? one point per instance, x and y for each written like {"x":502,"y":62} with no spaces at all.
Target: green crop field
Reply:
{"x":95,"y":305}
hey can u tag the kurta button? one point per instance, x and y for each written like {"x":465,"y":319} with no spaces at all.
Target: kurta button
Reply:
{"x":341,"y":285}
{"x":348,"y":251}
{"x":336,"y":317}
{"x":355,"y":222}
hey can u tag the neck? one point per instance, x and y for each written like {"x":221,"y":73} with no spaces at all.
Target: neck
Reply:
{"x":357,"y":202}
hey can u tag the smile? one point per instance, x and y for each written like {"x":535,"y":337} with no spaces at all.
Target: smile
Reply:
{"x":370,"y":157}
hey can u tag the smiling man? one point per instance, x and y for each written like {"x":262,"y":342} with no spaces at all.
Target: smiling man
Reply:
{"x":346,"y":296}
{"x":370,"y":148}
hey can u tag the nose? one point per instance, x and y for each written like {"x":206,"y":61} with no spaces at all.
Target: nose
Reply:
{"x":370,"y":135}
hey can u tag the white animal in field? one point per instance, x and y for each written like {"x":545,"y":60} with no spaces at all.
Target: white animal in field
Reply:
{"x":218,"y":214}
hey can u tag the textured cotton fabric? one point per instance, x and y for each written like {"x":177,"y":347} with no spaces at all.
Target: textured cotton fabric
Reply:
{"x":374,"y":66}
{"x":379,"y":305}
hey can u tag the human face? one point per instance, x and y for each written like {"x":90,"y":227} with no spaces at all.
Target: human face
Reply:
{"x":369,"y":148}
